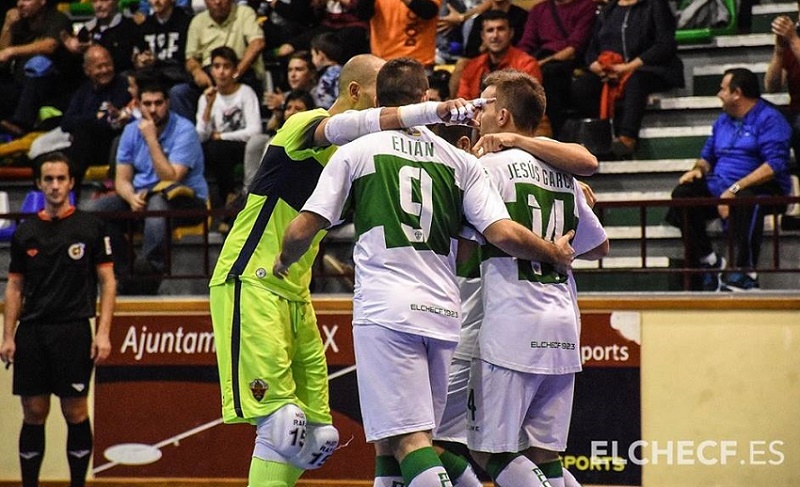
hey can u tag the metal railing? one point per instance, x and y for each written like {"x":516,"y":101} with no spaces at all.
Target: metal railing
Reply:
{"x":330,"y":267}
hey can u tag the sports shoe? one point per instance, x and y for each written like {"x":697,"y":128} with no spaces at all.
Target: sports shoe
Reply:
{"x":712,"y":281}
{"x":739,"y":281}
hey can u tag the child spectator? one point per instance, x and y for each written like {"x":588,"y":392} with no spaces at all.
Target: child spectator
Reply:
{"x":326,"y":54}
{"x":227,"y":116}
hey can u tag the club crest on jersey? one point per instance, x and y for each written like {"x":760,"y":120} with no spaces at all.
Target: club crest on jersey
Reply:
{"x":32,"y":252}
{"x":259,"y":388}
{"x":76,"y":251}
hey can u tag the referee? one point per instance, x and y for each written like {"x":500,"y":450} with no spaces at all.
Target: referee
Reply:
{"x":57,"y":260}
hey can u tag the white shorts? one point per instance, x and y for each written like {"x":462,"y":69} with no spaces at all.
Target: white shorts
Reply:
{"x":402,"y":380}
{"x":453,"y":426}
{"x":522,"y":410}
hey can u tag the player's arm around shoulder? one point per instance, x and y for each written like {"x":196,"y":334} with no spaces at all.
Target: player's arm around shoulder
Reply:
{"x":566,"y":156}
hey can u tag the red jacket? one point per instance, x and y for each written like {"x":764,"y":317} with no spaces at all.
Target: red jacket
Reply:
{"x":470,"y":84}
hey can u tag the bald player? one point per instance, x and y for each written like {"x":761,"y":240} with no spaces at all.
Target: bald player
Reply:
{"x":270,"y":356}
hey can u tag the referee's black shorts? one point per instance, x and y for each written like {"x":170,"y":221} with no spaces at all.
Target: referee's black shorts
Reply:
{"x":53,"y":358}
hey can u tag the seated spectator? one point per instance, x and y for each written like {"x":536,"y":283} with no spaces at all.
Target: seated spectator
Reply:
{"x":227,"y":117}
{"x":496,"y":35}
{"x":35,"y":67}
{"x":162,"y":41}
{"x":517,"y":16}
{"x":284,"y":22}
{"x":110,"y":29}
{"x":326,"y":53}
{"x":645,"y":62}
{"x":162,"y":147}
{"x":456,"y":18}
{"x":146,"y":8}
{"x":300,"y":75}
{"x":556,"y":34}
{"x":349,"y":22}
{"x":439,"y":85}
{"x":405,"y":28}
{"x":93,"y":116}
{"x":222,"y":24}
{"x":747,"y":154}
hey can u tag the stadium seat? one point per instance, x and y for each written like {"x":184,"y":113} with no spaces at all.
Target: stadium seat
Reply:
{"x":7,"y":227}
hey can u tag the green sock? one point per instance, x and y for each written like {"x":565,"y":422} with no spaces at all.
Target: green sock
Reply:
{"x":554,"y":472}
{"x":423,"y":467}
{"x":265,"y":473}
{"x":387,"y":472}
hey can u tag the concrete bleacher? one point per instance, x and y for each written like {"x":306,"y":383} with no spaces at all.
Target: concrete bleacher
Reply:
{"x":674,"y":130}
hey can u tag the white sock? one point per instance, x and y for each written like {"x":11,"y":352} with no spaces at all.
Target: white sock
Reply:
{"x":521,"y":472}
{"x":433,"y":477}
{"x":388,"y":482}
{"x":467,"y":479}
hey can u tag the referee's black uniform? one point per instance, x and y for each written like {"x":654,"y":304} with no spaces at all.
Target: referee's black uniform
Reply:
{"x":58,"y":260}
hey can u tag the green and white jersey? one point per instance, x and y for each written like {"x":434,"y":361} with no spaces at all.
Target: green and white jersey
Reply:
{"x":409,"y":192}
{"x":468,"y":276}
{"x":531,"y":314}
{"x":288,"y":174}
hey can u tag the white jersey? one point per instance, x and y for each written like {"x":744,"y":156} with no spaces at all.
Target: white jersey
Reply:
{"x":531,"y":315}
{"x":235,"y":116}
{"x":409,"y":192}
{"x":469,"y":284}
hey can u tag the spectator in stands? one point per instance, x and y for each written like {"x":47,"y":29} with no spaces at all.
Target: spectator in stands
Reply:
{"x":146,"y":8}
{"x":164,"y":148}
{"x":404,"y":28}
{"x":222,"y":24}
{"x":496,"y":35}
{"x":439,"y":85}
{"x":227,"y":117}
{"x":747,"y":154}
{"x":349,"y":22}
{"x":162,"y":41}
{"x":285,"y":21}
{"x":35,"y":67}
{"x":556,"y":34}
{"x":300,"y":75}
{"x":110,"y":29}
{"x":632,"y":53}
{"x":92,"y":119}
{"x":326,"y":53}
{"x":517,"y":16}
{"x":456,"y":18}
{"x":784,"y":71}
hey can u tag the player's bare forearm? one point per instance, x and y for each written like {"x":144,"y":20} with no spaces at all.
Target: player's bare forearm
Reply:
{"x":13,"y":304}
{"x":516,"y":240}
{"x":569,"y":157}
{"x":297,"y":240}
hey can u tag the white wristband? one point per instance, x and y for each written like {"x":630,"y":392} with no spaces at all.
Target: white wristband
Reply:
{"x":350,"y":125}
{"x":419,"y":114}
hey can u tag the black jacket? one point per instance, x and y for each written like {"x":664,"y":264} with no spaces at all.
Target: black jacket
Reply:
{"x":649,"y":34}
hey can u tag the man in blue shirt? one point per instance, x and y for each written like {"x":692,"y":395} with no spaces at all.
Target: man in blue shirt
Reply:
{"x":746,"y":155}
{"x":163,"y":147}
